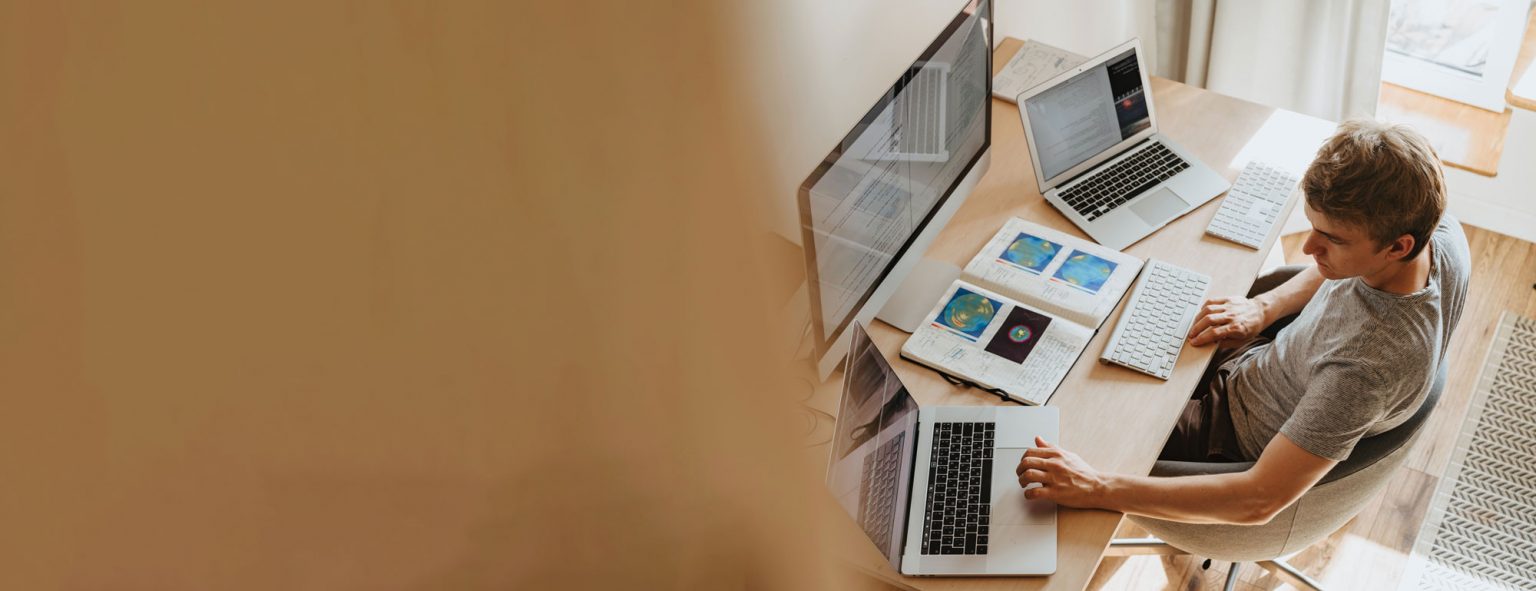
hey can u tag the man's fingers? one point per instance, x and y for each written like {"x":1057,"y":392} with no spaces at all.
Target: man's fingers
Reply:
{"x":1035,"y":463}
{"x":1205,"y":336}
{"x":1201,"y":323}
{"x":1039,"y":493}
{"x":1035,"y":452}
{"x":1042,"y":449}
{"x":1223,"y":332}
{"x":1033,"y":475}
{"x":1221,"y":327}
{"x":1203,"y":316}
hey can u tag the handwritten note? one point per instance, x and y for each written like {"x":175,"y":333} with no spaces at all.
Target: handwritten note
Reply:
{"x":1034,"y":63}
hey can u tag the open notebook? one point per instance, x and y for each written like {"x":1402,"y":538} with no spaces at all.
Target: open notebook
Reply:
{"x":1023,"y":310}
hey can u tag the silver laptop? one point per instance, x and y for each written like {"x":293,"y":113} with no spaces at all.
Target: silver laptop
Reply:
{"x":1098,"y":156}
{"x":969,"y":515}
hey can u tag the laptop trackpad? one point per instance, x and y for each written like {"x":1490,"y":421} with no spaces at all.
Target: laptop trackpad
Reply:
{"x":1009,"y":507}
{"x":1159,"y":207}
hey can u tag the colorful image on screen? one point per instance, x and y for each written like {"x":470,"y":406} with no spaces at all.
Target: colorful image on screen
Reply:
{"x":1031,"y":253}
{"x":968,"y":313}
{"x":1085,"y":271}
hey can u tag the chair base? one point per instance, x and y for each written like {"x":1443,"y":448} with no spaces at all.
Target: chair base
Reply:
{"x":1154,"y":546}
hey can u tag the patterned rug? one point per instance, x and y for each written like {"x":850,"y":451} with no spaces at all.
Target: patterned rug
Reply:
{"x":1480,"y":532}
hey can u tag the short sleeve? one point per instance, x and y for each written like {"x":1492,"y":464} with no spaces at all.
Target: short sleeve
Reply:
{"x":1342,"y":402}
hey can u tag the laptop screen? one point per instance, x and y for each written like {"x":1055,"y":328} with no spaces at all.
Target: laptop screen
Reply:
{"x":874,"y":446}
{"x":1087,"y":114}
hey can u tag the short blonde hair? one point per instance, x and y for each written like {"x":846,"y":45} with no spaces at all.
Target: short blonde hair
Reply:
{"x":1383,"y":178}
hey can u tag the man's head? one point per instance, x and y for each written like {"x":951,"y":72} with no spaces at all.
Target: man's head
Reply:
{"x":1374,"y":195}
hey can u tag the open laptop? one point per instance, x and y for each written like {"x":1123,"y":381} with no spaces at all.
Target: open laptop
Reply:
{"x":1098,"y":156}
{"x":969,"y":515}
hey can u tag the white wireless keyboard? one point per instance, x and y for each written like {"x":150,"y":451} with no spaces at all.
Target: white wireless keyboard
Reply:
{"x":1251,"y":206}
{"x":1151,"y":332}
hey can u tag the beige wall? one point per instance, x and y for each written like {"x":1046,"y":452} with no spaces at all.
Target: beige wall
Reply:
{"x":332,"y":295}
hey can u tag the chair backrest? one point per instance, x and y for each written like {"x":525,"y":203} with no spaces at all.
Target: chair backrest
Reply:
{"x":1341,"y":493}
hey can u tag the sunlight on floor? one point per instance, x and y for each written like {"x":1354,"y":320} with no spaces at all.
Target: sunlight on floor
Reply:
{"x":1359,"y":563}
{"x":1139,"y":572}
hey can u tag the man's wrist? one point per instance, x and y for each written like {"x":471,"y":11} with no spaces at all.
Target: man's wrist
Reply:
{"x":1267,"y":313}
{"x":1107,"y":493}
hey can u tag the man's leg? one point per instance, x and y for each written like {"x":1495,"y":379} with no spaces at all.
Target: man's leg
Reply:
{"x":1204,"y":431}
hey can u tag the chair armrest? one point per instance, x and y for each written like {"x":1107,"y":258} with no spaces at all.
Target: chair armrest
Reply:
{"x":1169,"y":468}
{"x":1274,"y":278}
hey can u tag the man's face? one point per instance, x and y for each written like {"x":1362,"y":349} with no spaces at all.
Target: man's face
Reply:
{"x":1342,"y":250}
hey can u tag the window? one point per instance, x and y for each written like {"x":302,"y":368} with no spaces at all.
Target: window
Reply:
{"x":1463,"y":50}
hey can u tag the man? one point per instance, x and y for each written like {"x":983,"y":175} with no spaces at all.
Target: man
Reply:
{"x":1376,"y":313}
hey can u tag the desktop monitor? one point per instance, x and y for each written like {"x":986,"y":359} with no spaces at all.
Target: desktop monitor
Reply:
{"x":870,"y":209}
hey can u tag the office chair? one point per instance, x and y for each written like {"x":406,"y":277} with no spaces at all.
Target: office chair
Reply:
{"x":1332,"y":502}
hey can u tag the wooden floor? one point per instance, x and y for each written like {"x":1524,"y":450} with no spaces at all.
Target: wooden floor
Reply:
{"x":1371,"y":551}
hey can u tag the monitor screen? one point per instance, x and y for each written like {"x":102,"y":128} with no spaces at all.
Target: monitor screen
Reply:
{"x":1087,"y":114}
{"x":874,"y":446}
{"x":871,"y":197}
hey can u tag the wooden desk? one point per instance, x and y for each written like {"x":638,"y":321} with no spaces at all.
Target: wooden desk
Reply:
{"x":1115,"y":418}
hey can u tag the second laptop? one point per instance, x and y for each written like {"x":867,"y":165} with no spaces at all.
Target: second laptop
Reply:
{"x":1098,"y":156}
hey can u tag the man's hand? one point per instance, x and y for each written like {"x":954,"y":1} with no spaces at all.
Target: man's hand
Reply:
{"x":1064,"y":477}
{"x":1228,"y":320}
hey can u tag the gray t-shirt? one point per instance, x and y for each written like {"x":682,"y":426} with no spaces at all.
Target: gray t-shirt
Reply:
{"x":1356,"y":362}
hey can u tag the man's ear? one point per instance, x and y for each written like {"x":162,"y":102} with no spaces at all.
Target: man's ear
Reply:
{"x":1400,"y":247}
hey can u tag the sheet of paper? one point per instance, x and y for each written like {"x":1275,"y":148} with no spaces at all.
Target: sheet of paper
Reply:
{"x":1034,"y":63}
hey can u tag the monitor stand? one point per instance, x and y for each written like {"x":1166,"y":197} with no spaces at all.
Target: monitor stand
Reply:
{"x":918,"y":292}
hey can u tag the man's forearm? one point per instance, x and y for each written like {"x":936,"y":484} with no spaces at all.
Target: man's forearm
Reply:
{"x":1281,"y":475}
{"x":1290,"y":297}
{"x":1214,"y":498}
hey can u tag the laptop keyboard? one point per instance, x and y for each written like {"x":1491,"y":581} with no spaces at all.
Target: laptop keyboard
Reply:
{"x":1123,"y":181}
{"x":959,"y":489}
{"x":877,"y":491}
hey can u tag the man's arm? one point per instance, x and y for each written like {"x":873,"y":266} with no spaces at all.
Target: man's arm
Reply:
{"x":1237,"y":319}
{"x":1283,"y":473}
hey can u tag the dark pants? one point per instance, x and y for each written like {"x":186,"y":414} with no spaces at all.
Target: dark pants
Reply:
{"x":1204,"y":432}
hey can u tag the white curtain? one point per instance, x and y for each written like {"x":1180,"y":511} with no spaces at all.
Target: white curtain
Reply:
{"x":1319,"y":57}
